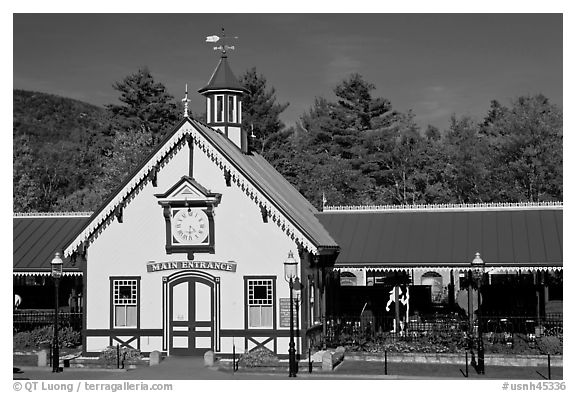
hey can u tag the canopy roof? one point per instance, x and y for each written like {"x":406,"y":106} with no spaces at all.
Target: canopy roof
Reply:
{"x":505,"y":236}
{"x":37,"y":237}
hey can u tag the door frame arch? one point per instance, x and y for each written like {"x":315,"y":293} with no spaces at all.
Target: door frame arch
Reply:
{"x":168,"y":282}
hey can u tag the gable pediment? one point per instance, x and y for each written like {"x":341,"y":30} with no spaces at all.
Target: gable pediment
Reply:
{"x":189,"y":190}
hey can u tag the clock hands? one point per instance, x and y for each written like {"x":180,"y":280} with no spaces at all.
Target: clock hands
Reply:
{"x":190,"y":226}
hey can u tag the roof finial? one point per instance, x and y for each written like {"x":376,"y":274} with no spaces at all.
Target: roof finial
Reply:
{"x":222,"y":48}
{"x":185,"y":100}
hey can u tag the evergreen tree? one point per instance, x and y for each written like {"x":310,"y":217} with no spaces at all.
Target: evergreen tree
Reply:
{"x":432,"y":133}
{"x":146,"y":106}
{"x":359,"y":110}
{"x":260,"y":111}
{"x":466,"y":155}
{"x":526,"y":146}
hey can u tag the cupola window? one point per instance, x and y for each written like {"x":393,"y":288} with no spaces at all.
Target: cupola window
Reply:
{"x":219,"y":109}
{"x":232,"y":109}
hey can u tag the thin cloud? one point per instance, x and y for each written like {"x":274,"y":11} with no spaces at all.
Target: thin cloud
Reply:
{"x":339,"y":67}
{"x":436,"y":102}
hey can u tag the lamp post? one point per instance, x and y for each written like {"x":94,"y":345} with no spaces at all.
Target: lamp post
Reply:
{"x":290,"y":273}
{"x":56,"y":265}
{"x":478,"y":269}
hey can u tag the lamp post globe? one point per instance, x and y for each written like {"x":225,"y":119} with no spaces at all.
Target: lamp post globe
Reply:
{"x":290,"y":274}
{"x":478,"y":267}
{"x":56,"y":270}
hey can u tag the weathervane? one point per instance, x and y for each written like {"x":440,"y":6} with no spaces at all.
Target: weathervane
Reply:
{"x":223,"y":47}
{"x":185,"y":100}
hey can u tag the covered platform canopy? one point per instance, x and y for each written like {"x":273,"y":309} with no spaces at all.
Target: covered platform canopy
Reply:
{"x":38,"y":236}
{"x":518,"y":237}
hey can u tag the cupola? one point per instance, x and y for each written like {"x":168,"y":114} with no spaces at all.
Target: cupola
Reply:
{"x":224,"y":103}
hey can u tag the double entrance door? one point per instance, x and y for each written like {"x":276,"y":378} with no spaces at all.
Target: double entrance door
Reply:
{"x":191,"y":316}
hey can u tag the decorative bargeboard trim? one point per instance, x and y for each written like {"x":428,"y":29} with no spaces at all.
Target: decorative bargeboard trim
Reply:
{"x":160,"y":159}
{"x":447,"y":206}
{"x":489,"y":269}
{"x":37,"y":273}
{"x":53,"y":214}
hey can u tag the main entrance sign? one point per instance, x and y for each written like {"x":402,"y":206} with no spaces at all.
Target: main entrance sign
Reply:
{"x":229,"y":266}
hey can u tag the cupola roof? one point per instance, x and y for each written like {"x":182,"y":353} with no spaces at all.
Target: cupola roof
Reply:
{"x":223,"y":78}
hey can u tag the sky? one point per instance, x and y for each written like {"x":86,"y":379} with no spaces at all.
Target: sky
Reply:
{"x":436,"y":65}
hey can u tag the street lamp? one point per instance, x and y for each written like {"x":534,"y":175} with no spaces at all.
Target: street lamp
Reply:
{"x":478,"y":270}
{"x":290,"y":273}
{"x":56,"y":265}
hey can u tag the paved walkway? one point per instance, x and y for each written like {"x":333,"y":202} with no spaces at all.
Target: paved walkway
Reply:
{"x":192,"y":368}
{"x":445,"y":371}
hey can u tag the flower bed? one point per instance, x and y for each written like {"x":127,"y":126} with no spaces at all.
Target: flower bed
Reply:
{"x":112,"y":356}
{"x":260,"y":357}
{"x":441,"y":342}
{"x":41,"y":337}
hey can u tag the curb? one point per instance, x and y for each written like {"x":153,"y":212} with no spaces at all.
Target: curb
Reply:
{"x":433,"y":358}
{"x":85,"y":369}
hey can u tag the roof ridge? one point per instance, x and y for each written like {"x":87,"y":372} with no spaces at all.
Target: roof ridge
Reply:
{"x":445,"y":206}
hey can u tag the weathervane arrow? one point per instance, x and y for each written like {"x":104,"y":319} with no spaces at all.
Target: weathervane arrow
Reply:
{"x":223,"y":47}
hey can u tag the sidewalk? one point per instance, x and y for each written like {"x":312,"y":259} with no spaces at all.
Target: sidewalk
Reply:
{"x":445,"y":371}
{"x":192,"y":368}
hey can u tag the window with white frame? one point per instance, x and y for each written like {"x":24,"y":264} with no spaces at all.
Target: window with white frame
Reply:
{"x":239,"y":111}
{"x":260,"y":302}
{"x":219,"y":109}
{"x":232,"y":109}
{"x":125,"y":302}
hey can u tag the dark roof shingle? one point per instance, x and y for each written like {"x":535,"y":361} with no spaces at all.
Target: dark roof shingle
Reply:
{"x":515,"y":237}
{"x":223,"y":78}
{"x":37,"y":238}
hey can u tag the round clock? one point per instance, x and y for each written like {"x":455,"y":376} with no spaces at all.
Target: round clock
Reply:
{"x":190,"y":226}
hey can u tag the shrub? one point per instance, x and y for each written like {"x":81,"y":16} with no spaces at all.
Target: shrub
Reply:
{"x":34,"y":339}
{"x":258,"y":357}
{"x":109,"y":355}
{"x":550,"y":345}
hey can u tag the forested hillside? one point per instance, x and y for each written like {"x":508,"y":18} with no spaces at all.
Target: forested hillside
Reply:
{"x":58,"y":145}
{"x":351,"y":149}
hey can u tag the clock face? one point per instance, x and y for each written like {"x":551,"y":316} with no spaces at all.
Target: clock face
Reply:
{"x":190,"y":226}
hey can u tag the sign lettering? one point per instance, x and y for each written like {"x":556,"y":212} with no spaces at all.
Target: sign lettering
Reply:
{"x":229,"y":266}
{"x":285,"y":312}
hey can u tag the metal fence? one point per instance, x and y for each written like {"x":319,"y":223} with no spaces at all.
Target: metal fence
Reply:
{"x":494,"y":327}
{"x":28,"y":320}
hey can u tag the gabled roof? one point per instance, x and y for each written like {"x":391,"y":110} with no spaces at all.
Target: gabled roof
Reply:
{"x":36,"y":238}
{"x":223,"y":78}
{"x":286,"y":207}
{"x":505,"y":236}
{"x":265,"y":177}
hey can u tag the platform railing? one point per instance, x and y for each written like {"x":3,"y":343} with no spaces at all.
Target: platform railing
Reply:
{"x":29,"y":320}
{"x":492,"y":326}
